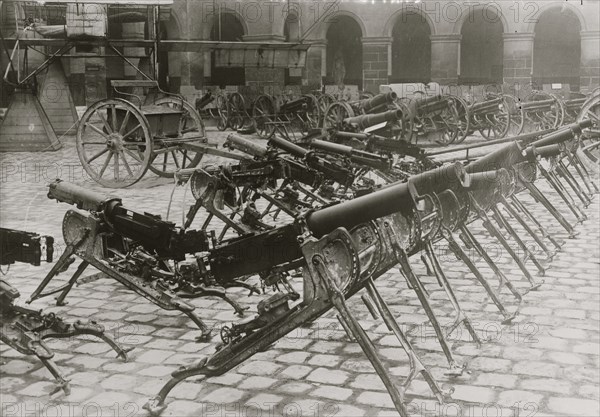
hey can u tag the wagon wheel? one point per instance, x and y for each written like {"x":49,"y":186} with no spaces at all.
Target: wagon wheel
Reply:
{"x":498,"y":125}
{"x":406,"y":124}
{"x":516,"y":115}
{"x":263,"y":112}
{"x":324,"y":101}
{"x":449,"y":116}
{"x":312,"y":113}
{"x":170,"y":155}
{"x":114,"y":137}
{"x":222,"y":104}
{"x":590,"y":146}
{"x":335,"y":114}
{"x":237,"y":106}
{"x":552,"y":120}
{"x":462,"y":118}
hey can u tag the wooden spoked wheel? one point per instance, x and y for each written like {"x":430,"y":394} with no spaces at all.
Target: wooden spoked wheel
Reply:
{"x":450,"y":118}
{"x":324,"y":100}
{"x":516,"y":115}
{"x":114,"y":143}
{"x":263,"y":114}
{"x":590,"y":138}
{"x":335,"y":114}
{"x":496,"y":124}
{"x":237,"y":107}
{"x":543,"y":120}
{"x":170,"y":154}
{"x":222,"y":105}
{"x":312,"y":113}
{"x":461,"y":118}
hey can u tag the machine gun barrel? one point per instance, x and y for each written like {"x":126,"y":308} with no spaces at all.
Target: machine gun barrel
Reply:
{"x":329,"y":169}
{"x":547,"y":151}
{"x":384,"y":202}
{"x":504,"y":157}
{"x":239,"y":143}
{"x":448,"y":177}
{"x":287,"y":146}
{"x":146,"y":229}
{"x":80,"y":197}
{"x":564,"y":134}
{"x":368,"y":120}
{"x":359,"y":157}
{"x":380,"y":99}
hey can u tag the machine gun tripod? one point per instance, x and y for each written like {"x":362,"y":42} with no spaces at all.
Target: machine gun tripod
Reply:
{"x":25,"y":329}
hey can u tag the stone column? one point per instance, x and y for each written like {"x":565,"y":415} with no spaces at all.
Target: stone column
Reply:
{"x":445,"y":58}
{"x":590,"y":60}
{"x":375,"y":62}
{"x":518,"y":62}
{"x":316,"y":64}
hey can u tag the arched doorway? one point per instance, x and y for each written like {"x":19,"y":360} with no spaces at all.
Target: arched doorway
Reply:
{"x":227,"y":28}
{"x":482,"y":49}
{"x":557,"y":48}
{"x":411,"y":50}
{"x":344,"y":52}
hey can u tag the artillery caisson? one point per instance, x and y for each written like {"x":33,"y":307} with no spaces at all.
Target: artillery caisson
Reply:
{"x":119,"y":139}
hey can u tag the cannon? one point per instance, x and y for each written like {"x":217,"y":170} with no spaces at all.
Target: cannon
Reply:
{"x":25,"y":329}
{"x":133,"y":249}
{"x":442,"y":118}
{"x":270,"y":114}
{"x":369,"y":120}
{"x":538,"y":111}
{"x":376,"y":104}
{"x":491,"y":117}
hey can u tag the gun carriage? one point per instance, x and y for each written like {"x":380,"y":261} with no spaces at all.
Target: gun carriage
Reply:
{"x":538,"y":111}
{"x":270,"y":113}
{"x":490,"y":117}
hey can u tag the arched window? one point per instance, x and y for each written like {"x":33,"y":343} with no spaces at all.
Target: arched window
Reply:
{"x":226,"y":27}
{"x":557,"y":48}
{"x":482,"y":49}
{"x":344,"y":52}
{"x":411,"y":50}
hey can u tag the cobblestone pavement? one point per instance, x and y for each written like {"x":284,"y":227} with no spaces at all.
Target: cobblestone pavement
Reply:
{"x":544,"y":364}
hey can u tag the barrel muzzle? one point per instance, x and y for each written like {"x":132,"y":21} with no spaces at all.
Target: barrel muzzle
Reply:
{"x":367,"y":120}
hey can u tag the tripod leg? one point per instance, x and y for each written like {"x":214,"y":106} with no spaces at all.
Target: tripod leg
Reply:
{"x":461,"y":317}
{"x":60,"y":300}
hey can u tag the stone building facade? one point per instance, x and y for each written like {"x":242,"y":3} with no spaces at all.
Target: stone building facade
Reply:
{"x":518,"y":44}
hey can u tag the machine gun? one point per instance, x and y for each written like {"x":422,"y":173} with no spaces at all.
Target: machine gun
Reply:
{"x":341,"y":251}
{"x":25,"y":329}
{"x":141,"y":251}
{"x":361,"y":158}
{"x":330,"y":171}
